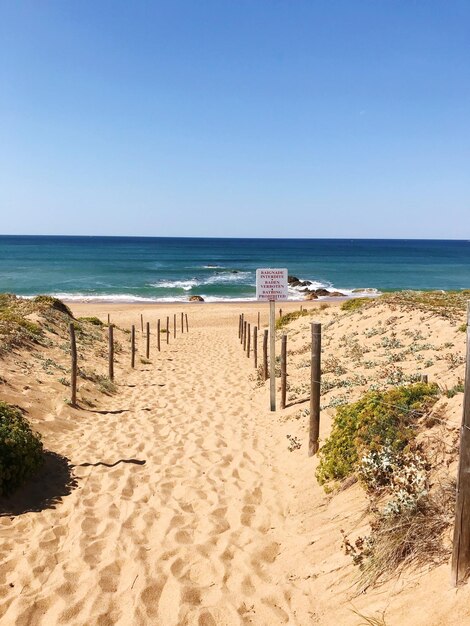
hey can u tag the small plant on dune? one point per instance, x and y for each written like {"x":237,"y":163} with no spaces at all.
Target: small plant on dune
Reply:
{"x":410,"y":536}
{"x":20,"y":449}
{"x":354,"y":304}
{"x":290,"y":317}
{"x":92,"y":320}
{"x":377,"y":420}
{"x":458,"y":388}
{"x":463,"y":328}
{"x":106,"y":386}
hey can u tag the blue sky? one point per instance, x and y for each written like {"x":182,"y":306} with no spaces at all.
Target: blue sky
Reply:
{"x":235,"y":118}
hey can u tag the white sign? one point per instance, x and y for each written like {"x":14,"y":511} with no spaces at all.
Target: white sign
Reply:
{"x":271,"y":284}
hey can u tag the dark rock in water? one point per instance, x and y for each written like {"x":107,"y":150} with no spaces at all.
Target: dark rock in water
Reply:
{"x":311,"y":295}
{"x":292,"y":279}
{"x":337,"y":294}
{"x":235,"y":272}
{"x":322,"y":292}
{"x":196,"y":299}
{"x":300,"y":283}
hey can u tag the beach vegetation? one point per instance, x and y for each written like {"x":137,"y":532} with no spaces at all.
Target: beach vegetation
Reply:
{"x":380,"y":419}
{"x":21,"y":452}
{"x":92,"y":320}
{"x":354,"y":304}
{"x":446,"y":304}
{"x":282,"y":321}
{"x":463,"y":328}
{"x":410,"y":536}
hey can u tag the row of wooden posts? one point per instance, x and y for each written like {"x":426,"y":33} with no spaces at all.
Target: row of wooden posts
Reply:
{"x":249,"y":340}
{"x":166,"y":331}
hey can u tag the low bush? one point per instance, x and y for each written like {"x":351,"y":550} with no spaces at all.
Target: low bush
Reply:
{"x":378,"y":420}
{"x":21,"y":452}
{"x":290,"y":317}
{"x":92,"y":320}
{"x":354,"y":304}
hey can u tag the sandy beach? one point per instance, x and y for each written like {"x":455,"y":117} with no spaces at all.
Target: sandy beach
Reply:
{"x":179,"y":499}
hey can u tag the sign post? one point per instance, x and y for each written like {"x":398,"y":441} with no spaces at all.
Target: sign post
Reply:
{"x":271,"y":286}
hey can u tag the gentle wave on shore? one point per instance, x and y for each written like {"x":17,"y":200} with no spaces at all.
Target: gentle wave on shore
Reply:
{"x":125,"y":269}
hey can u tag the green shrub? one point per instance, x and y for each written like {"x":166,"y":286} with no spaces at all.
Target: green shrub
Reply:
{"x":354,"y":304}
{"x":290,"y":317}
{"x":20,"y":449}
{"x":463,"y":328}
{"x":50,"y":302}
{"x":92,"y":320}
{"x":378,"y":419}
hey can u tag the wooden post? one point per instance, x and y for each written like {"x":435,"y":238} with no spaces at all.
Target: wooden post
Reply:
{"x":111,"y":351}
{"x":142,"y":323}
{"x":255,"y":346}
{"x":159,"y":331}
{"x":133,"y":346}
{"x":168,"y":329}
{"x":242,"y":326}
{"x":182,"y":323}
{"x":315,"y":378}
{"x":73,"y":371}
{"x":424,"y":378}
{"x":265,"y":354}
{"x":259,"y":325}
{"x":283,"y":371}
{"x":147,"y":352}
{"x":186,"y":318}
{"x":248,"y":341}
{"x":280,"y":312}
{"x":174,"y":325}
{"x":244,"y":335}
{"x":461,"y":546}
{"x":239,"y":326}
{"x":272,"y":354}
{"x":109,"y":319}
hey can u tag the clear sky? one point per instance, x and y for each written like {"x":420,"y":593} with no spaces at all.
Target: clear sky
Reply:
{"x":283,"y":118}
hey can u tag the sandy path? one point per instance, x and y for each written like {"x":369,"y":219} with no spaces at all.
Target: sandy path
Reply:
{"x":185,"y":528}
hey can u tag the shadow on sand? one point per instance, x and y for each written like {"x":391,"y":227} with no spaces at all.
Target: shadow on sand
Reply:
{"x":45,"y":490}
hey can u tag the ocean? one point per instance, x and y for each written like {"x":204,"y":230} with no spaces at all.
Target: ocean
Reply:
{"x":155,"y":269}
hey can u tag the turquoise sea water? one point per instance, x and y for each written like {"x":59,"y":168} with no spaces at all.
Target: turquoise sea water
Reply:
{"x":166,"y":269}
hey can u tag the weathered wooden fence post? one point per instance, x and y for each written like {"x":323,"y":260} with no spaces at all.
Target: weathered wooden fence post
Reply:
{"x":255,"y":346}
{"x":133,"y":346}
{"x":186,"y":318}
{"x":159,"y":331}
{"x":248,"y":341}
{"x":241,"y":328}
{"x":74,"y":369}
{"x":283,"y":371}
{"x":182,"y":323}
{"x":265,"y":354}
{"x":111,"y":351}
{"x":245,"y":323}
{"x":461,"y":546}
{"x":315,"y":378}
{"x":109,"y":319}
{"x":142,"y":323}
{"x":168,"y":329}
{"x":174,"y":326}
{"x":280,"y":312}
{"x":147,"y":351}
{"x":259,"y":325}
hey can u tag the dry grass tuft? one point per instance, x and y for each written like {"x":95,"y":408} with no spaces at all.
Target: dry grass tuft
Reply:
{"x":411,"y":539}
